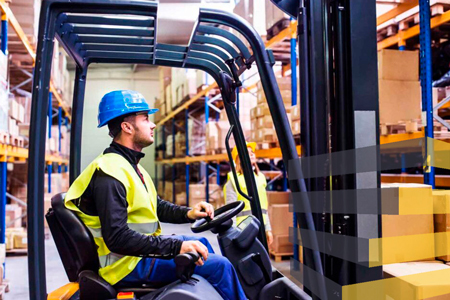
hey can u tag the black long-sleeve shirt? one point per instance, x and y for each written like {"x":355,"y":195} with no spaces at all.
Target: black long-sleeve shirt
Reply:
{"x":106,"y":197}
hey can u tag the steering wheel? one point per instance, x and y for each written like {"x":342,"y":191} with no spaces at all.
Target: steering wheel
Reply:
{"x":221,"y":215}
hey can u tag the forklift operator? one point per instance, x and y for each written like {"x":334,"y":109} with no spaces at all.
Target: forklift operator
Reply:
{"x":117,"y":201}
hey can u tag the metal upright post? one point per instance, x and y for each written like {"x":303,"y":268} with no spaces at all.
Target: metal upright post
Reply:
{"x":425,"y":82}
{"x":206,"y":164}
{"x":59,"y":128}
{"x":2,"y":204}
{"x":49,"y":166}
{"x":187,"y":154}
{"x":237,"y":101}
{"x":163,"y":175}
{"x":271,"y":164}
{"x":49,"y":171}
{"x":173,"y":165}
{"x":294,"y":102}
{"x":293,"y":67}
{"x":4,"y":33}
{"x":207,"y":181}
{"x":50,"y":96}
{"x":218,"y":173}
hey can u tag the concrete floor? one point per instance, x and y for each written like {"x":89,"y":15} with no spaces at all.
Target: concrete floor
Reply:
{"x":17,"y":268}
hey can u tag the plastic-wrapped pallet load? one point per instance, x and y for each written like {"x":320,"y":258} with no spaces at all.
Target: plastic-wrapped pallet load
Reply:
{"x":27,"y":14}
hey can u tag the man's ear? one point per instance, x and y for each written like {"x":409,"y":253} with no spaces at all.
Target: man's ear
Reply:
{"x":126,"y":127}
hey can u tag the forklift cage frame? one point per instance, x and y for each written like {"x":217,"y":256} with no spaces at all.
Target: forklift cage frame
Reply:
{"x":106,"y":31}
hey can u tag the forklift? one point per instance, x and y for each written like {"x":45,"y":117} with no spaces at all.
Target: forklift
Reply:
{"x":339,"y":111}
{"x":102,"y":31}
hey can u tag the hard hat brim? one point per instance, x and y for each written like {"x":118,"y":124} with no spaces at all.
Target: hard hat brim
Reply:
{"x":106,"y":120}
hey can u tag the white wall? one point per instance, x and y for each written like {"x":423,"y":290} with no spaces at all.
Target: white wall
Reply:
{"x":101,"y":81}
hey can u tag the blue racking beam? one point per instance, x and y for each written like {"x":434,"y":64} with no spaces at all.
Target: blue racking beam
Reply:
{"x":425,"y":82}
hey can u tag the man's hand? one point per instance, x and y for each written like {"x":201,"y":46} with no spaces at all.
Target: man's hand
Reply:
{"x":197,"y":247}
{"x":197,"y":213}
{"x":269,"y":237}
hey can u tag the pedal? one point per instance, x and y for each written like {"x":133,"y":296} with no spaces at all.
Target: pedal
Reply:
{"x":126,"y":296}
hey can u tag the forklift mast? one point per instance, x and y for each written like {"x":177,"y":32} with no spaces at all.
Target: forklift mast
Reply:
{"x":339,"y":114}
{"x":101,"y":31}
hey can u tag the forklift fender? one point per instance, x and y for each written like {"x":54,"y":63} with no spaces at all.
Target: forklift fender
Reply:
{"x":282,"y":288}
{"x":197,"y":288}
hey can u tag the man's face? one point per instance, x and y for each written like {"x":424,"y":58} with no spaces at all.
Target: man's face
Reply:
{"x":143,"y":130}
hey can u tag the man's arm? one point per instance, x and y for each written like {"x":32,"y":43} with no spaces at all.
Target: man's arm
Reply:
{"x":171,"y":213}
{"x":110,"y":200}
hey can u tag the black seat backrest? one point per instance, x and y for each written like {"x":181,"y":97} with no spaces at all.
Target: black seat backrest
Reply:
{"x":73,"y":240}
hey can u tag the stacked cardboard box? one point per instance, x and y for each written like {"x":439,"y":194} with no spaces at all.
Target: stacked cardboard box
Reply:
{"x":441,"y":211}
{"x":413,"y":280}
{"x":280,"y":220}
{"x":399,"y":86}
{"x":413,"y":223}
{"x":197,"y":194}
{"x":274,"y":15}
{"x":16,"y":243}
{"x":27,"y":14}
{"x":13,"y":216}
{"x":295,"y":120}
{"x":263,"y":130}
{"x":197,"y":145}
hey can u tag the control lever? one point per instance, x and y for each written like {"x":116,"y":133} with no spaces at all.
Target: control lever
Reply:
{"x":185,"y":265}
{"x":256,"y":257}
{"x":233,"y":169}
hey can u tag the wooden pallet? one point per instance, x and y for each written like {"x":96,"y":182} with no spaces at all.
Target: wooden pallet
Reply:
{"x":436,"y":10}
{"x":277,"y":28}
{"x":278,"y":257}
{"x":401,"y":127}
{"x":386,"y":32}
{"x":16,"y":252}
{"x":4,"y":137}
{"x":215,"y":151}
{"x":16,"y":140}
{"x":267,"y":145}
{"x":4,"y":288}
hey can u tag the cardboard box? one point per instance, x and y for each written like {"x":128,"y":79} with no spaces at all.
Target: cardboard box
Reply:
{"x":13,"y":212}
{"x":264,"y":122}
{"x":295,"y":113}
{"x":277,"y":197}
{"x":265,"y":135}
{"x":280,"y":219}
{"x":415,"y":280}
{"x":20,"y":240}
{"x":398,"y":65}
{"x":442,"y":224}
{"x":399,"y":101}
{"x":262,"y":110}
{"x":281,"y":244}
{"x":197,"y":191}
{"x":295,"y":126}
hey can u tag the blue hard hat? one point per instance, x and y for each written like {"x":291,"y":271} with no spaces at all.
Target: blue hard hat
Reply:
{"x":118,"y":103}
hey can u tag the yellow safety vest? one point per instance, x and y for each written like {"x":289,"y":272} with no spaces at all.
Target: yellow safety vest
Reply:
{"x":261,"y":184}
{"x":142,"y":215}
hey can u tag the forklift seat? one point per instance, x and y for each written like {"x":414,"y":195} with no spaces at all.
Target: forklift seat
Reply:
{"x":78,"y":253}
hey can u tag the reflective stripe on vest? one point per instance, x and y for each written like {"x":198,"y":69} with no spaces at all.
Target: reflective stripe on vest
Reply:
{"x":261,"y":184}
{"x":141,"y":211}
{"x":143,"y":228}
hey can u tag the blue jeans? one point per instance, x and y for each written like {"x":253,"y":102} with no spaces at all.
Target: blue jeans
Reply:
{"x":217,"y":270}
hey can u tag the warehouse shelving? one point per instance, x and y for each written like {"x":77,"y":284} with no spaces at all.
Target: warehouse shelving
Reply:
{"x":14,"y":154}
{"x":26,"y":43}
{"x":288,"y":33}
